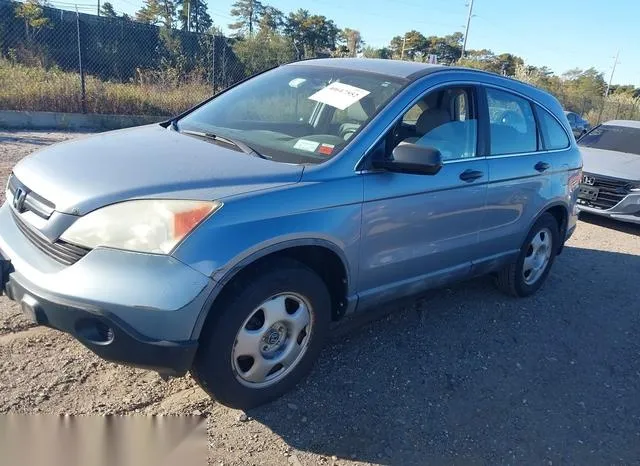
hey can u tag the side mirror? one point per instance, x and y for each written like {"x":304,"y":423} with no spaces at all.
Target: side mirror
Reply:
{"x":412,"y":159}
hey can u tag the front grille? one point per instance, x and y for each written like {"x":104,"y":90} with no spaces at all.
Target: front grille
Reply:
{"x":30,"y":200}
{"x":610,"y":191}
{"x":59,"y":250}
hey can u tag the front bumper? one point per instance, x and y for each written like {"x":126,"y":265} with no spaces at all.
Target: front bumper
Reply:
{"x":627,"y":210}
{"x":131,"y":308}
{"x":105,"y":334}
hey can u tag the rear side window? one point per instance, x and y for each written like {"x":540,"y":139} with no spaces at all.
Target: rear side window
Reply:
{"x":512,"y":124}
{"x":553,"y":135}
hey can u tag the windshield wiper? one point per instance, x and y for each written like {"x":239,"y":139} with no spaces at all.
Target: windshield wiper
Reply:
{"x":225,"y":140}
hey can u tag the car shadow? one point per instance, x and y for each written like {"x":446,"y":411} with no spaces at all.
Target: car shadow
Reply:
{"x":37,"y":140}
{"x":623,"y":227}
{"x":468,"y":375}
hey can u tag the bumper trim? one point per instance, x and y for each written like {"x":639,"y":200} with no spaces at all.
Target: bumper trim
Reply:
{"x":613,"y":215}
{"x":105,"y":334}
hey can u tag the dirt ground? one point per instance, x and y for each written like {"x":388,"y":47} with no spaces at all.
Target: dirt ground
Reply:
{"x":464,"y":375}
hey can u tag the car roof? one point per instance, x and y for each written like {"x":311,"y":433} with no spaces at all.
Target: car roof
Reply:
{"x":414,"y":70}
{"x":627,"y":123}
{"x":395,"y":68}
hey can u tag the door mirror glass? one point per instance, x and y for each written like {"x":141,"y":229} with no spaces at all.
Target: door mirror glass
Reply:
{"x":412,"y":159}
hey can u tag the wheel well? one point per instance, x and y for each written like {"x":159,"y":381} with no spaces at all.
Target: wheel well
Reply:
{"x":560,"y":214}
{"x":323,"y":261}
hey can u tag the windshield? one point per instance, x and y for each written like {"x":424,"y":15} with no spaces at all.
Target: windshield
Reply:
{"x":617,"y":138}
{"x":295,"y":114}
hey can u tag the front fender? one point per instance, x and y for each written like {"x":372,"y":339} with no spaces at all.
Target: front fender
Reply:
{"x":247,"y":228}
{"x":223,"y":276}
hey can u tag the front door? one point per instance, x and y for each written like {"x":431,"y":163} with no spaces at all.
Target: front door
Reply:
{"x":420,"y":231}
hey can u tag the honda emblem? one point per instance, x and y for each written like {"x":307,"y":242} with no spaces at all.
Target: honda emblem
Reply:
{"x":18,"y":199}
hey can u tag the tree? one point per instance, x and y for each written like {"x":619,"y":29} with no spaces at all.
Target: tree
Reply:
{"x":107,"y":10}
{"x":158,"y":12}
{"x":272,"y":20}
{"x":34,"y":20}
{"x":248,"y":13}
{"x":173,"y":62}
{"x":448,"y":48}
{"x":351,"y":40}
{"x":372,"y":52}
{"x":312,"y":35}
{"x":508,"y":63}
{"x":193,"y":15}
{"x":264,"y":50}
{"x":410,"y":46}
{"x":628,"y":89}
{"x":484,"y":59}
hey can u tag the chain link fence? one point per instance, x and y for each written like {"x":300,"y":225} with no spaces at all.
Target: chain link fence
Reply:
{"x":64,"y":61}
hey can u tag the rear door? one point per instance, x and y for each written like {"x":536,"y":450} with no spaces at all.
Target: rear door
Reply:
{"x":526,"y":170}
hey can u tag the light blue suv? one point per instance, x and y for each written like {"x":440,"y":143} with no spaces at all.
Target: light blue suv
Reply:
{"x":226,"y":240}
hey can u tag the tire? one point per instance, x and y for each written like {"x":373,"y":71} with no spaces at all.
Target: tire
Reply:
{"x":513,"y":279}
{"x":244,"y":313}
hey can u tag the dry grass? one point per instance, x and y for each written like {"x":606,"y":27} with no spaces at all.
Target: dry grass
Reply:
{"x":53,"y":90}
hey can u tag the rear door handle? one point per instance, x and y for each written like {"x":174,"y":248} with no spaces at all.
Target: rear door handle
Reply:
{"x":542,"y":166}
{"x":471,"y":175}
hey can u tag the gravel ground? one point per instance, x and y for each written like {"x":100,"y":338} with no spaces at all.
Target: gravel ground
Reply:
{"x":464,"y":375}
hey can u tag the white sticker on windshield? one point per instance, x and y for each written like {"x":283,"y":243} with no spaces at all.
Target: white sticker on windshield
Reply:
{"x":339,"y":95}
{"x":297,"y":82}
{"x":305,"y":144}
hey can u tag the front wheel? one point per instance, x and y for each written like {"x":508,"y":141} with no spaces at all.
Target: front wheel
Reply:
{"x":526,"y":276}
{"x":269,"y":332}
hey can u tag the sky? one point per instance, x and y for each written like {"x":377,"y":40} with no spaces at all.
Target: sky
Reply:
{"x":561,"y":34}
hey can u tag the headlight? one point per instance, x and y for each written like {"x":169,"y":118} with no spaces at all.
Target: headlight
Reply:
{"x":147,"y":225}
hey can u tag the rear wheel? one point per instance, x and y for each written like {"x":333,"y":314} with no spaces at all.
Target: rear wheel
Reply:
{"x":269,"y":332}
{"x":528,"y":273}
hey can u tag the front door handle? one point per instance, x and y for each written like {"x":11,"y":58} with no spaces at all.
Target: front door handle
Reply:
{"x":471,"y":175}
{"x":542,"y":166}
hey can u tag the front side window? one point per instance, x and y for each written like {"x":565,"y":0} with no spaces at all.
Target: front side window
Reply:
{"x":295,"y":114}
{"x":614,"y":138}
{"x":445,"y":120}
{"x":512,"y":124}
{"x":553,"y":135}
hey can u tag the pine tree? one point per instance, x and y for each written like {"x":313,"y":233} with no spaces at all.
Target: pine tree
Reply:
{"x":158,"y":12}
{"x":107,"y":10}
{"x":200,"y":21}
{"x":248,"y":13}
{"x":272,"y":20}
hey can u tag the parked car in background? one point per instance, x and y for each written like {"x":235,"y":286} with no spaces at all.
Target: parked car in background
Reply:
{"x":579,"y":125}
{"x":611,"y":175}
{"x":226,"y":240}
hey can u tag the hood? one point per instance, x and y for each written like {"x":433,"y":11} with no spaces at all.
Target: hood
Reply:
{"x":611,"y":163}
{"x":149,"y":161}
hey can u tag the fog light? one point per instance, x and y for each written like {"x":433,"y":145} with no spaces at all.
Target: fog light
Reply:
{"x":95,"y":331}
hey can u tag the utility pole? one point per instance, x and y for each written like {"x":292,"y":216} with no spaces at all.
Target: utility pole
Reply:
{"x":188,"y":15}
{"x":466,"y":30}
{"x":613,"y":70}
{"x":404,"y":47}
{"x":606,"y":92}
{"x":98,"y":7}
